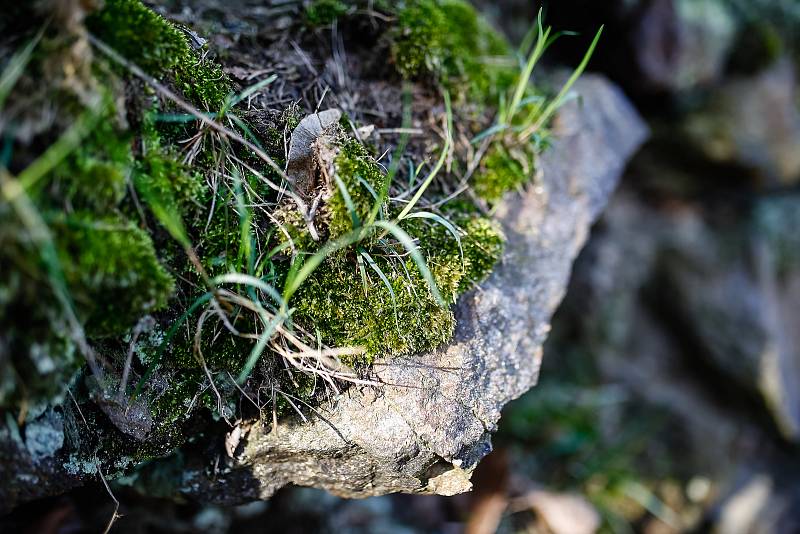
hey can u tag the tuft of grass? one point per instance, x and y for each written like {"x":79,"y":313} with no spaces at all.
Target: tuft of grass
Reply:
{"x":519,"y":131}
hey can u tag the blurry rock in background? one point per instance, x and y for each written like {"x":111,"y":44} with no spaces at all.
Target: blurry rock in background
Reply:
{"x":670,"y":389}
{"x":753,"y":121}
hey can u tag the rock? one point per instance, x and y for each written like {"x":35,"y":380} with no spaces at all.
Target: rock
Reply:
{"x":754,"y":122}
{"x":430,"y":423}
{"x":683,"y":44}
{"x":699,"y":317}
{"x":738,"y":301}
{"x":425,"y":429}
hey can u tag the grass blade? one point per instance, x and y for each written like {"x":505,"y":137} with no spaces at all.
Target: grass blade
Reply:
{"x":253,"y":89}
{"x":398,"y":154}
{"x":246,"y":279}
{"x":16,"y":66}
{"x":448,"y":142}
{"x":348,"y":201}
{"x":416,"y":255}
{"x":375,"y":267}
{"x":559,"y":99}
{"x":304,"y":270}
{"x":444,"y":222}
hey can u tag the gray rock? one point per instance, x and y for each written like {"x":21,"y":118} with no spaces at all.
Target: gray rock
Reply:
{"x":427,"y":428}
{"x":663,"y":292}
{"x":738,"y":294}
{"x":754,"y":122}
{"x":683,"y":44}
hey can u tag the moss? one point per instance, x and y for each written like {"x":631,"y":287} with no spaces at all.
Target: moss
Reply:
{"x":350,"y":304}
{"x":159,"y":174}
{"x":502,"y":171}
{"x":325,"y":12}
{"x":160,"y":48}
{"x":111,"y":270}
{"x":482,"y":246}
{"x":450,"y":41}
{"x":94,"y":177}
{"x":346,"y":313}
{"x":109,"y":266}
{"x":362,"y":178}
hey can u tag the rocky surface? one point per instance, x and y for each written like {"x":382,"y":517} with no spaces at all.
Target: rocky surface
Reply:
{"x":427,"y":427}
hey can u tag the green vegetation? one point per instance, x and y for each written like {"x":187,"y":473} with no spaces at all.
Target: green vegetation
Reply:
{"x":325,"y":12}
{"x":160,"y":48}
{"x":149,"y":207}
{"x":448,"y":41}
{"x":372,"y":295}
{"x":502,"y":171}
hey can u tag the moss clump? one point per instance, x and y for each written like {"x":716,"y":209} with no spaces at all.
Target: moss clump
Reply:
{"x":502,"y":170}
{"x":94,"y":177}
{"x":111,"y":270}
{"x":88,"y":259}
{"x":325,"y":12}
{"x":346,"y":312}
{"x":159,"y":175}
{"x":150,"y":41}
{"x":373,"y":295}
{"x":449,"y":40}
{"x":362,"y":178}
{"x":481,"y":248}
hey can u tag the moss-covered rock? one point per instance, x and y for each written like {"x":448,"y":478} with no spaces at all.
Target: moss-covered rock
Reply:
{"x":137,"y":231}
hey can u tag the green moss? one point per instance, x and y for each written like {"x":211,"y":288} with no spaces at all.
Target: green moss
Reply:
{"x":502,"y":171}
{"x":482,"y":246}
{"x":95,"y":176}
{"x":348,"y":301}
{"x":161,"y":49}
{"x":361,"y":177}
{"x":109,"y":266}
{"x":111,"y":270}
{"x":346,"y":313}
{"x":449,"y":40}
{"x":159,"y":174}
{"x":325,"y":12}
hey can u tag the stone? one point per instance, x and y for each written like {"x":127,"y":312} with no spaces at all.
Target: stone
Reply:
{"x":428,"y":426}
{"x":754,"y":122}
{"x":683,"y":44}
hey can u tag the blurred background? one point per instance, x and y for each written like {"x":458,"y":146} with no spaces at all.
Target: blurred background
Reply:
{"x":669,"y":399}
